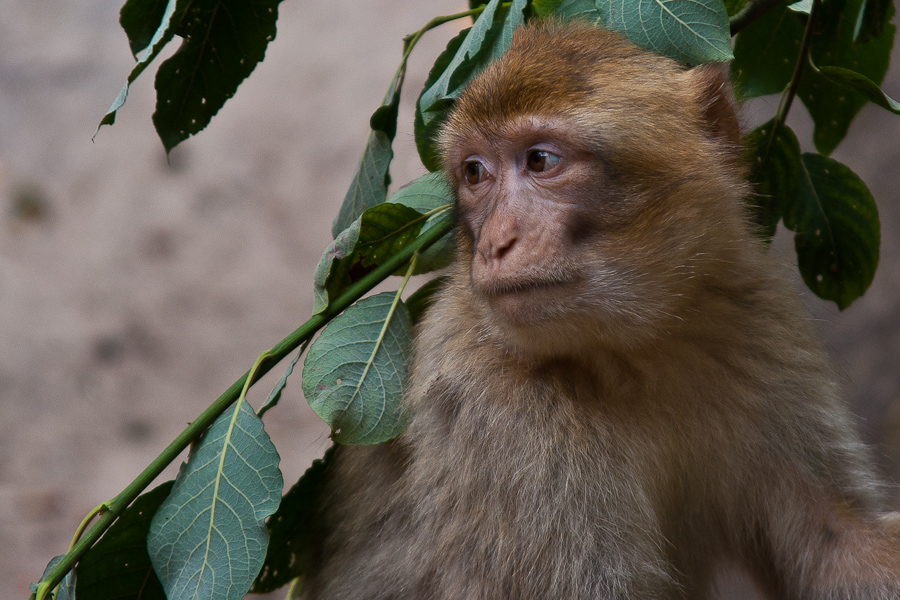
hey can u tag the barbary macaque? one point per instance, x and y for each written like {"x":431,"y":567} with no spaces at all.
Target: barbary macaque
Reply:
{"x":616,"y":393}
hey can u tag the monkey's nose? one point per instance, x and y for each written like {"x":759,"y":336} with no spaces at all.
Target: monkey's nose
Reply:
{"x":494,"y":251}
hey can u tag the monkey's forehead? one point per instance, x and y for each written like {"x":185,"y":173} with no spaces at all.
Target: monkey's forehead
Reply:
{"x":552,"y":66}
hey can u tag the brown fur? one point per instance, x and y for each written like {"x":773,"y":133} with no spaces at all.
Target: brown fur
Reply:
{"x":615,"y":394}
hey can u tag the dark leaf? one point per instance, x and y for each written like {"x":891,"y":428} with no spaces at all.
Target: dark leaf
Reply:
{"x":775,"y":170}
{"x":118,"y":566}
{"x":374,"y":237}
{"x":766,"y":52}
{"x":831,"y":105}
{"x":140,"y":19}
{"x":291,"y":530}
{"x":862,"y":84}
{"x":223,"y":40}
{"x":837,"y":230}
{"x":875,"y":14}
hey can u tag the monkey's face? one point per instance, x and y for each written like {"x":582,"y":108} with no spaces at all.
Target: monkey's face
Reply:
{"x":549,"y":234}
{"x":594,"y":188}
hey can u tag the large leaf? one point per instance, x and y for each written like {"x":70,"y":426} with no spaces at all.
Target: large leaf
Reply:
{"x":208,"y":539}
{"x":766,"y":53}
{"x":223,"y":40}
{"x":831,"y":105}
{"x":428,"y":194}
{"x":775,"y":170}
{"x":118,"y":566}
{"x":369,"y":185}
{"x":355,"y":371}
{"x":291,"y":529}
{"x":374,"y":237}
{"x":837,"y":230}
{"x":692,"y":32}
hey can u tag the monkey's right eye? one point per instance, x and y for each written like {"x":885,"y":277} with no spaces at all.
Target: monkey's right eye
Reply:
{"x":473,"y":172}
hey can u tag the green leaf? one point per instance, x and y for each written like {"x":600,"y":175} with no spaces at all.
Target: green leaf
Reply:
{"x":691,"y":32}
{"x":291,"y":529}
{"x":275,"y":394}
{"x":545,"y":8}
{"x":766,"y":52}
{"x":466,"y":55}
{"x":471,"y":55}
{"x":831,"y":105}
{"x":141,"y":19}
{"x":208,"y":539}
{"x":422,"y":299}
{"x":161,"y":37}
{"x":775,"y":170}
{"x":427,"y":134}
{"x":514,"y":19}
{"x":586,"y":10}
{"x":223,"y":40}
{"x":861,"y":83}
{"x":369,"y":185}
{"x":66,"y":586}
{"x":428,"y":194}
{"x":355,"y":371}
{"x":837,"y":230}
{"x":118,"y":566}
{"x":374,"y":237}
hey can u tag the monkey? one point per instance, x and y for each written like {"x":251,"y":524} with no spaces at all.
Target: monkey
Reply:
{"x":617,"y":391}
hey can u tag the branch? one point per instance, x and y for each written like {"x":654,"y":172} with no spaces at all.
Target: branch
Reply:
{"x":118,"y":505}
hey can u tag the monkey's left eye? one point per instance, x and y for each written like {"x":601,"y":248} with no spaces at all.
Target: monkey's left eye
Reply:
{"x":473,"y":172}
{"x":541,"y":160}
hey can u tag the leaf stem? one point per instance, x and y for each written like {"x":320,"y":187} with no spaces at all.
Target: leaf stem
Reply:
{"x":268,"y":360}
{"x":787,"y":98}
{"x":752,"y":11}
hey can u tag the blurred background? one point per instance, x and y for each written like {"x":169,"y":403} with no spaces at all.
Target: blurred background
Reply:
{"x":134,"y":290}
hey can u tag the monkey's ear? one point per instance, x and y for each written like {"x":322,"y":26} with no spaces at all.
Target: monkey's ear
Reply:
{"x":712,"y":88}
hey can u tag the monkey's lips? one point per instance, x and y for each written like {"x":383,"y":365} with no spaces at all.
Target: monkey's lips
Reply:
{"x":525,"y":302}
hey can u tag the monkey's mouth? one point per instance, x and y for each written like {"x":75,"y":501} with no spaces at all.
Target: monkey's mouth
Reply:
{"x":525,"y":301}
{"x":501,"y":288}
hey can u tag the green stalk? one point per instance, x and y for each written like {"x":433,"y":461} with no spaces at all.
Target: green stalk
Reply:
{"x":303,"y":333}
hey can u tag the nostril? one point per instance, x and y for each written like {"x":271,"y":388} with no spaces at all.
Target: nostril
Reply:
{"x":501,"y":250}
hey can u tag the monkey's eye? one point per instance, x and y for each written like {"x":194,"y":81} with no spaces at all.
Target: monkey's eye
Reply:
{"x":473,"y":172}
{"x":541,"y":160}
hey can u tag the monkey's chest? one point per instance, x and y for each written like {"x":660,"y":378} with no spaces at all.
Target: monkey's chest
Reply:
{"x":524,"y":508}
